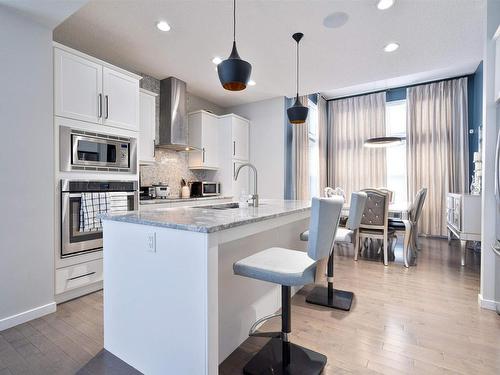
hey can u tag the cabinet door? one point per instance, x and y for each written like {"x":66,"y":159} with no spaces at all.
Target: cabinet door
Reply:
{"x":240,"y":130}
{"x":209,"y":140}
{"x":147,"y":130}
{"x":242,"y":184}
{"x":77,"y":87}
{"x":121,"y":100}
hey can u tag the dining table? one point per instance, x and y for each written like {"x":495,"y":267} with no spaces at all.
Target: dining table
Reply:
{"x":400,"y":211}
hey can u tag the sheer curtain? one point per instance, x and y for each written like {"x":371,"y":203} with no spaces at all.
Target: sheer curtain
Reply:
{"x":300,"y":158}
{"x":351,"y":121}
{"x":322,"y":143}
{"x":437,"y":147}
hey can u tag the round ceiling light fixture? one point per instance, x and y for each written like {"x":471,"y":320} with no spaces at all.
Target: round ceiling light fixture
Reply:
{"x":385,"y":4}
{"x":297,"y":113}
{"x":163,"y":26}
{"x":391,"y":47}
{"x":234,"y":73}
{"x":335,"y":20}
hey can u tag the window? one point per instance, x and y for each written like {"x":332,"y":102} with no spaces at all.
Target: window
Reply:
{"x":313,"y":150}
{"x":395,"y":118}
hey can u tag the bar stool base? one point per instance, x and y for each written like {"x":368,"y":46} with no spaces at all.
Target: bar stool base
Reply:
{"x":335,"y":298}
{"x":270,"y":360}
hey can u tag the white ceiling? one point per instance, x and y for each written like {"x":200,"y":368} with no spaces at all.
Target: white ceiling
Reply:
{"x":437,"y":37}
{"x":49,"y":13}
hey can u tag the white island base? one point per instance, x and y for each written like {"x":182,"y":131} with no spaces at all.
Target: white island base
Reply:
{"x":174,"y":306}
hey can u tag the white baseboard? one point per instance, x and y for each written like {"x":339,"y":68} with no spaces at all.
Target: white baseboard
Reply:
{"x":488,"y":304}
{"x":26,"y":316}
{"x":75,"y":293}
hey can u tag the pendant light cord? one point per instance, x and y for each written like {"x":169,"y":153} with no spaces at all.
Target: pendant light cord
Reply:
{"x":234,"y":20}
{"x":297,"y":69}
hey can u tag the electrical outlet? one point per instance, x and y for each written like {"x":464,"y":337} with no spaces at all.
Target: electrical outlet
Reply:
{"x":151,"y":242}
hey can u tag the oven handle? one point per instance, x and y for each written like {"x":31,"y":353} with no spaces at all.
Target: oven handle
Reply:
{"x":79,"y":277}
{"x":79,"y":195}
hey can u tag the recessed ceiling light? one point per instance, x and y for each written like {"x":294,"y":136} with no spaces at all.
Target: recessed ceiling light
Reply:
{"x":251,"y":83}
{"x":163,"y":26}
{"x":216,"y":60}
{"x":335,"y":20}
{"x":385,"y":4}
{"x":391,"y":47}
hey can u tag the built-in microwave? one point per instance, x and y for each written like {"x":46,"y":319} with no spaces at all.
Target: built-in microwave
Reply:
{"x":81,"y":150}
{"x":204,"y":188}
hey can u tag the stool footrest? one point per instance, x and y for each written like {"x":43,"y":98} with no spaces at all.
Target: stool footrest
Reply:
{"x":265,"y":334}
{"x":253,"y":328}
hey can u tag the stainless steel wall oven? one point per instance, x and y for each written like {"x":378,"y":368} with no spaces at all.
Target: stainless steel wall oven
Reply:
{"x":73,"y":240}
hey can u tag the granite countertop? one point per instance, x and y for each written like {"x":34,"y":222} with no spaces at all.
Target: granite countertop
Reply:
{"x":176,"y":199}
{"x":208,"y":220}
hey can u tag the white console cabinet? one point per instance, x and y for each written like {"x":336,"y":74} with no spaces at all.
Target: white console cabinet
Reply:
{"x":463,"y":219}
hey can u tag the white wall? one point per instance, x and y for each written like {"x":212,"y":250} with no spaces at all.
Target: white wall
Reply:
{"x":26,"y":170}
{"x":267,"y":143}
{"x":490,"y":126}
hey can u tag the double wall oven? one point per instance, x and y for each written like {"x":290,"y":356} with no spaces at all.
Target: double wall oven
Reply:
{"x":74,"y":241}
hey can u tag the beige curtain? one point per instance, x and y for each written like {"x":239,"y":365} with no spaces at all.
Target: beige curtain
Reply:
{"x":352,"y":166}
{"x":300,"y":158}
{"x":322,"y":143}
{"x":437,"y":147}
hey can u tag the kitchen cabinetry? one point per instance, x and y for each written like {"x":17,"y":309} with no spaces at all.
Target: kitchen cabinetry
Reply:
{"x":496,"y":37}
{"x":147,"y":126}
{"x":204,"y":135}
{"x":77,"y":87}
{"x":91,"y":90}
{"x":239,"y":135}
{"x":233,"y":151}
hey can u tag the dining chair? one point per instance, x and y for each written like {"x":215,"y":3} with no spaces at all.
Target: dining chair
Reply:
{"x":374,"y":221}
{"x":410,"y":227}
{"x":390,"y":192}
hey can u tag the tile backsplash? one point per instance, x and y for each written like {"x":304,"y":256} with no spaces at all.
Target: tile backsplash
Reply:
{"x":171,"y":166}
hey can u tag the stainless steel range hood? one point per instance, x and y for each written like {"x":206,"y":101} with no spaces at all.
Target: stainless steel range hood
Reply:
{"x":173,"y":131}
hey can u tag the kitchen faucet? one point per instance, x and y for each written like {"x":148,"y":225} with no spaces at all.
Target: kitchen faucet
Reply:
{"x":254,"y":196}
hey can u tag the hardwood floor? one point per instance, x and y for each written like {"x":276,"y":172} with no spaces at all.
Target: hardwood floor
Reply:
{"x":422,"y":320}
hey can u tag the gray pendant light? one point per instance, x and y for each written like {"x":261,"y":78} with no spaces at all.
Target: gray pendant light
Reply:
{"x":234,"y":73}
{"x":297,"y":114}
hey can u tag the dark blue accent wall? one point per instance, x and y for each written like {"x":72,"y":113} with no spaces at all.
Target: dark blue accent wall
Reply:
{"x":475,"y":107}
{"x":395,"y":94}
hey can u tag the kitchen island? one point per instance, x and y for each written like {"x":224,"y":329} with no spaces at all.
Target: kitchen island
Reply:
{"x":171,"y":302}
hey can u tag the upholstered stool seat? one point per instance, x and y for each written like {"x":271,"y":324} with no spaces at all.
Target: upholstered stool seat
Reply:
{"x":279,"y":266}
{"x":343,"y":235}
{"x":291,"y":268}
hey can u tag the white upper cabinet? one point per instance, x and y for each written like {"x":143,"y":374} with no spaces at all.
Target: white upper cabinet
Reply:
{"x":92,"y":90}
{"x":77,"y":87}
{"x":204,"y":135}
{"x":121,"y":100}
{"x":496,"y":37}
{"x":240,"y":130}
{"x":147,"y":127}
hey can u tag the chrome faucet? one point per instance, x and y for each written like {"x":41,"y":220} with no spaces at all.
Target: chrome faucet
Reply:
{"x":254,"y":196}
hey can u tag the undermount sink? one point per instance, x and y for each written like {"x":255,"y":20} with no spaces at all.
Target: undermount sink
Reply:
{"x":225,"y":206}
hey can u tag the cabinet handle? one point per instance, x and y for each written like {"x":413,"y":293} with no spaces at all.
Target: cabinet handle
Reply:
{"x":234,"y":170}
{"x":203,"y":154}
{"x":78,"y":277}
{"x":106,"y":99}
{"x":99,"y":103}
{"x":234,"y":148}
{"x":154,"y":148}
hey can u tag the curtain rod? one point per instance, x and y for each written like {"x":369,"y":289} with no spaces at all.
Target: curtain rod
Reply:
{"x":401,"y":87}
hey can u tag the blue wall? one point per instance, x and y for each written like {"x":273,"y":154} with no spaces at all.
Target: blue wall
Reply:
{"x":475,"y":98}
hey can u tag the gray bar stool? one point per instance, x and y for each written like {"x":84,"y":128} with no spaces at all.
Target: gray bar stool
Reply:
{"x":291,"y":268}
{"x":329,"y":296}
